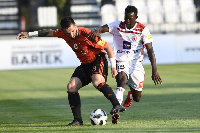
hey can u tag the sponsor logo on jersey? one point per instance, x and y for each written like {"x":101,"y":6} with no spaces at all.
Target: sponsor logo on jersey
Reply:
{"x":126,"y":45}
{"x":123,"y":51}
{"x":101,"y":42}
{"x":126,"y":51}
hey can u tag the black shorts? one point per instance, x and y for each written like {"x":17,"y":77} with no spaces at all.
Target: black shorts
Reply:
{"x":98,"y":66}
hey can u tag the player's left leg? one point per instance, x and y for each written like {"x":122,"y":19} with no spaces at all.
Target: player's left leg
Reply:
{"x":109,"y":94}
{"x":99,"y":78}
{"x":136,"y":84}
{"x":136,"y":95}
{"x":133,"y":95}
{"x":99,"y":83}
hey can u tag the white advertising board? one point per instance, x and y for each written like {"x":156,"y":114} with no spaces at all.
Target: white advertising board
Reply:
{"x":164,"y":49}
{"x":36,"y":53}
{"x":188,"y":48}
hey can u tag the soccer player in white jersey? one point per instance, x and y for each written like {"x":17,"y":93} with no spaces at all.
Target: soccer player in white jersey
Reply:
{"x":130,"y":38}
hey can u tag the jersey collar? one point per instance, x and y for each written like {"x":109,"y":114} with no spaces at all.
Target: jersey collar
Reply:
{"x":131,"y":28}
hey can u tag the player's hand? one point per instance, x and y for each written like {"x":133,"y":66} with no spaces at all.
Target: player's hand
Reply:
{"x":156,"y":78}
{"x":92,"y":35}
{"x":22,"y":35}
{"x":114,"y":72}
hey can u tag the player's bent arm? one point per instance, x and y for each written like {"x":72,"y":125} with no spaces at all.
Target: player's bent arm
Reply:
{"x":103,"y":29}
{"x":111,"y":55}
{"x":109,"y":51}
{"x":97,"y":32}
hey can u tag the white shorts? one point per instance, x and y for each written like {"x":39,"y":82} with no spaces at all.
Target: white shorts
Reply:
{"x":135,"y":73}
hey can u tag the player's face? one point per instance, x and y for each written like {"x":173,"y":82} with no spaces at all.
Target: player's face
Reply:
{"x":130,"y":20}
{"x":72,"y":31}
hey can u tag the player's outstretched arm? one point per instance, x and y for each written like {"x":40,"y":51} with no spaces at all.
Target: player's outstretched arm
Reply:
{"x":40,"y":33}
{"x":155,"y":75}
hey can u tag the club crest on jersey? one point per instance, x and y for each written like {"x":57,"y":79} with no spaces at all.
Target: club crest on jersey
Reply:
{"x":126,"y":45}
{"x":134,"y":38}
{"x":75,"y":46}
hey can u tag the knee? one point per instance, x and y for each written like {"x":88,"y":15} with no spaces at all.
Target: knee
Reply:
{"x":121,"y":80}
{"x":71,"y":88}
{"x":95,"y":84}
{"x":136,"y":98}
{"x":97,"y":79}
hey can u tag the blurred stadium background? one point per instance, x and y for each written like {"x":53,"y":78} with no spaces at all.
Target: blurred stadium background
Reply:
{"x":175,"y":25}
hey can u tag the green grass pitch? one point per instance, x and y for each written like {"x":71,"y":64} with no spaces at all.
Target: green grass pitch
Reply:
{"x":36,"y":101}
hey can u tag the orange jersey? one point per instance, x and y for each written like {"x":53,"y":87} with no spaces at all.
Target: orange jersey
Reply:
{"x":85,"y":50}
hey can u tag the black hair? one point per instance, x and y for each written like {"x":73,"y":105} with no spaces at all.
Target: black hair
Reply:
{"x":66,"y":22}
{"x":130,"y":9}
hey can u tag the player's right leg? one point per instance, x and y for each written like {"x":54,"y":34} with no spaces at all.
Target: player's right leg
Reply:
{"x":74,"y":100}
{"x":121,"y":79}
{"x":77,"y":81}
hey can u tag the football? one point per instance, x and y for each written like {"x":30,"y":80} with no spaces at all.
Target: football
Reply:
{"x":98,"y":117}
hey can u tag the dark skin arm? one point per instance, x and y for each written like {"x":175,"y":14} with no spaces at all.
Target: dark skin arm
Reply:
{"x":155,"y":75}
{"x":97,"y":32}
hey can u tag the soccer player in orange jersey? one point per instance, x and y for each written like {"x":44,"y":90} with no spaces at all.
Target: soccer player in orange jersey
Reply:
{"x":93,"y":68}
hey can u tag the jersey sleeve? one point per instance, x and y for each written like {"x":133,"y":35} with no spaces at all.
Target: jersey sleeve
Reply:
{"x":101,"y":44}
{"x":147,"y":37}
{"x":113,"y":26}
{"x":58,"y":33}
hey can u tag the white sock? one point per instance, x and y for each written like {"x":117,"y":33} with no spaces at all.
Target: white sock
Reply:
{"x":119,"y":94}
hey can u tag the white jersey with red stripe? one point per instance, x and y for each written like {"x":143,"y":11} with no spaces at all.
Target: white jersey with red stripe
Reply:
{"x":129,"y":44}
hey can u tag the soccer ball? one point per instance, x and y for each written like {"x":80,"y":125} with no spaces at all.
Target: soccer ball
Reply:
{"x":98,"y":117}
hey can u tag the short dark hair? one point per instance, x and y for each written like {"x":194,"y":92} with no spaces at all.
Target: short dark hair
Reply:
{"x":66,"y":22}
{"x":130,"y":9}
